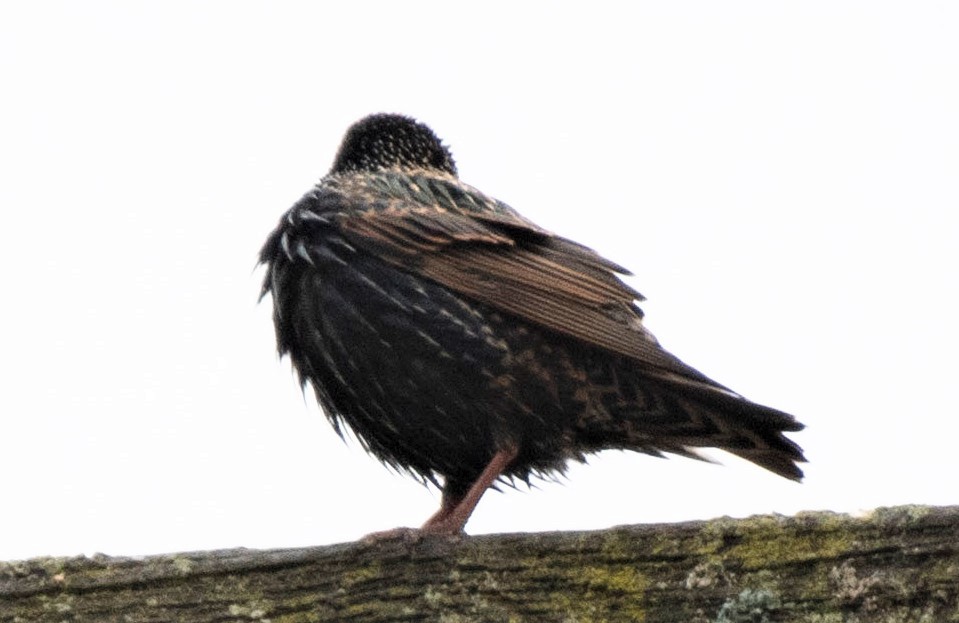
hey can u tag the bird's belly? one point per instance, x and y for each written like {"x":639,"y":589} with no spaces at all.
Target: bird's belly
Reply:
{"x":428,"y":380}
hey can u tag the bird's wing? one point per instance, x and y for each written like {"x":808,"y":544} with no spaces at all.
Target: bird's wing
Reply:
{"x":512,"y":265}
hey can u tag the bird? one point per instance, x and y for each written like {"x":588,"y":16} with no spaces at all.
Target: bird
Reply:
{"x":466,"y":346}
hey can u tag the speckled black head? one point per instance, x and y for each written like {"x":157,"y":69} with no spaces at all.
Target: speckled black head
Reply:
{"x":386,"y":141}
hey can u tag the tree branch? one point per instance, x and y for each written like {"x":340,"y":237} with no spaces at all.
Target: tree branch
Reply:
{"x":894,"y":565}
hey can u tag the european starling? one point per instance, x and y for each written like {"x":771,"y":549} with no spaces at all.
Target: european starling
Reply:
{"x":463,"y":344}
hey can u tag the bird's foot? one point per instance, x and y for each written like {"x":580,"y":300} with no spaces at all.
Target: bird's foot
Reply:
{"x":410,"y":535}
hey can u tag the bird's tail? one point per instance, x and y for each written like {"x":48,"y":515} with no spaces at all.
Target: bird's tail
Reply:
{"x":679,"y":414}
{"x":751,"y":431}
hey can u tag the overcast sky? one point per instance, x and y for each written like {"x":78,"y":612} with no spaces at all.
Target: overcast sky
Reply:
{"x":781,"y":177}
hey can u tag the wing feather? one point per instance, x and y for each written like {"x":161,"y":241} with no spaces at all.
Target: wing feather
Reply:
{"x":516,"y":267}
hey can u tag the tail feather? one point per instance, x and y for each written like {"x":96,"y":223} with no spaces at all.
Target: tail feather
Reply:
{"x":775,"y":462}
{"x":706,"y":416}
{"x":749,"y":430}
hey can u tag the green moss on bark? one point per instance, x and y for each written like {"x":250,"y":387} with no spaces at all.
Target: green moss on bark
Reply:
{"x":892,"y":566}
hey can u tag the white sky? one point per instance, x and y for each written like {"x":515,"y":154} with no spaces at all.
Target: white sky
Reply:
{"x":782,"y":177}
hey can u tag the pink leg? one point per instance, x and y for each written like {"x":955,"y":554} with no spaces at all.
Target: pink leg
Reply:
{"x":453,"y":514}
{"x":447,"y":506}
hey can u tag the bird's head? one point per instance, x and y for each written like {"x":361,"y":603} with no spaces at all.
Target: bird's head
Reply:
{"x":387,"y":141}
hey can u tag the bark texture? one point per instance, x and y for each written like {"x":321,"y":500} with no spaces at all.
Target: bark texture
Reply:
{"x":895,"y":565}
